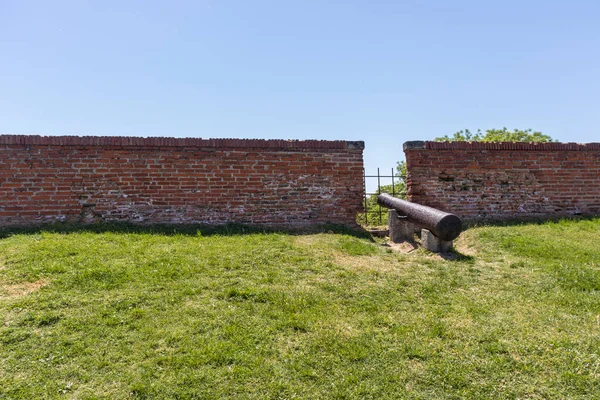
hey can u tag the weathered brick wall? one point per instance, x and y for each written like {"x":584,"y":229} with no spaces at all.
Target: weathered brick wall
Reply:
{"x":167,"y":180}
{"x":500,"y":181}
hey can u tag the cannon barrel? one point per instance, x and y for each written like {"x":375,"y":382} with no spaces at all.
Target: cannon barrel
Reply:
{"x":444,"y":225}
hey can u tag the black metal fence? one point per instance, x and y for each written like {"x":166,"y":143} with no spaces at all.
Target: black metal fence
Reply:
{"x":373,"y":212}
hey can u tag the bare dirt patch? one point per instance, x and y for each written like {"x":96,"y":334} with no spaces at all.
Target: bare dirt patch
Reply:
{"x":403,"y":247}
{"x":8,"y":291}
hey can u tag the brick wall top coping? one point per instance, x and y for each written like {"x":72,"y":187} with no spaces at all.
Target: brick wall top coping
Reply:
{"x":120,"y":141}
{"x":512,"y":146}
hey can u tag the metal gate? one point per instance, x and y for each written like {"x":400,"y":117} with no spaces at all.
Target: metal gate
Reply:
{"x":374,"y":214}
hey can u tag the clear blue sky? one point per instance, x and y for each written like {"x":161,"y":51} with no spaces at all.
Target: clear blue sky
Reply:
{"x":380,"y":71}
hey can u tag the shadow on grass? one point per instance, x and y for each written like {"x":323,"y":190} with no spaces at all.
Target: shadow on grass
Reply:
{"x":184,"y":229}
{"x":455,"y":255}
{"x":527,"y":221}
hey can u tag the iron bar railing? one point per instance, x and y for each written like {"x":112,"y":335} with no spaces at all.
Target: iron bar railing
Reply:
{"x":378,"y":213}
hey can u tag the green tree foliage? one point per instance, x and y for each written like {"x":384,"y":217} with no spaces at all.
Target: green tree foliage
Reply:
{"x":496,"y":135}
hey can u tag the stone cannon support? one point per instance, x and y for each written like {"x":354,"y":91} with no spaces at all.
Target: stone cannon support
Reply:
{"x":401,"y":230}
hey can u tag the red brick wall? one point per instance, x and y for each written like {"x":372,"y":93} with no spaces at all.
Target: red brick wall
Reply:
{"x":167,"y":180}
{"x":496,"y":181}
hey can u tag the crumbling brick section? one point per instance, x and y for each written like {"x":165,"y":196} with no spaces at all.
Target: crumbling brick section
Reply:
{"x":505,"y":181}
{"x":169,"y":180}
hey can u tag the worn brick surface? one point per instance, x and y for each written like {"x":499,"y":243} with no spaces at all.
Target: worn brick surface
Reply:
{"x":502,"y":181}
{"x":168,"y":180}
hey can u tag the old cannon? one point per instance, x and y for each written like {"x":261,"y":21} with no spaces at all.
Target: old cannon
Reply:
{"x":404,"y":216}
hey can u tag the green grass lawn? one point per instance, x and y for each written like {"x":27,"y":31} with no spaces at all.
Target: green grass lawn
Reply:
{"x":154,"y":314}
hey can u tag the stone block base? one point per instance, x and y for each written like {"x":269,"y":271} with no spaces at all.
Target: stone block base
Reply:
{"x":400,"y":229}
{"x":433,"y":243}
